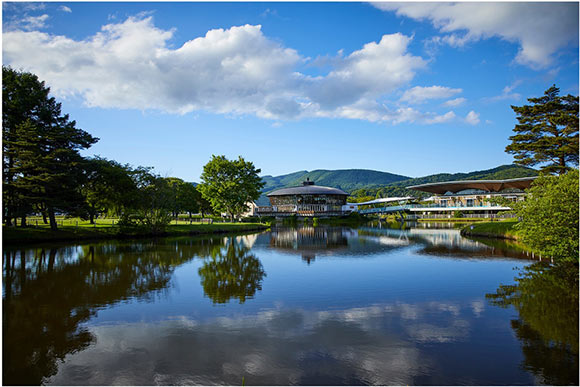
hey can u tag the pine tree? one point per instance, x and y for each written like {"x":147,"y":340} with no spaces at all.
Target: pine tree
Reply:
{"x":41,"y":159}
{"x":547,"y":132}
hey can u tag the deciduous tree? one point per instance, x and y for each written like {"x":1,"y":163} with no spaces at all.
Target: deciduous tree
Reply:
{"x":230,"y":185}
{"x":550,"y":216}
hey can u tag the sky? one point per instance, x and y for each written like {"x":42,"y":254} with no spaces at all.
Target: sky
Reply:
{"x":407,"y":88}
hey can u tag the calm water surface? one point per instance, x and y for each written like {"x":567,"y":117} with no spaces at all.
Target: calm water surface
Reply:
{"x":292,"y":306}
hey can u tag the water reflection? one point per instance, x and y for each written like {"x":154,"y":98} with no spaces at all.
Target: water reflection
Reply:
{"x":546,"y":298}
{"x":276,"y":347}
{"x":50,"y":292}
{"x":310,"y":242}
{"x":203,"y":311}
{"x":231,"y":272}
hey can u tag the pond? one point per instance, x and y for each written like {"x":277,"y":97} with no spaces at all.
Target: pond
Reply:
{"x":294,"y":305}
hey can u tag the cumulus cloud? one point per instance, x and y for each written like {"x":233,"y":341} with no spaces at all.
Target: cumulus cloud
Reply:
{"x":455,"y":102}
{"x":375,"y":69}
{"x":132,"y":65}
{"x":420,"y":94}
{"x":64,"y":8}
{"x":472,"y":118}
{"x":540,"y":29}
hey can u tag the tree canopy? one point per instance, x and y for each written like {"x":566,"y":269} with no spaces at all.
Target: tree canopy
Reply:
{"x":229,"y":185}
{"x":41,"y":159}
{"x":547,"y":132}
{"x":550,"y":216}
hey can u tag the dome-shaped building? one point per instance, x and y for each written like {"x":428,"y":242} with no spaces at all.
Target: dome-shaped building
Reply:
{"x":305,"y":200}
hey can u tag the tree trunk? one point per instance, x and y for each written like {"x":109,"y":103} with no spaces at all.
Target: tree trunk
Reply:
{"x":563,"y":165}
{"x":51,"y":217}
{"x":22,"y":269}
{"x":51,"y":259}
{"x":23,"y":221}
{"x":91,"y":217}
{"x":44,"y":220}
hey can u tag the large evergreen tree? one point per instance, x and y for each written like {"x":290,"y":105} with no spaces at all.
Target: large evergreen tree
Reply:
{"x":230,"y":185}
{"x":547,"y":132}
{"x":41,"y":159}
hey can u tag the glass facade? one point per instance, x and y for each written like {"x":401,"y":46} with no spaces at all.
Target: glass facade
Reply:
{"x":332,"y":200}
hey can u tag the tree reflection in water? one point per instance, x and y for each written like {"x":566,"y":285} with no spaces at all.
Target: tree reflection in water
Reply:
{"x":48,"y":293}
{"x":231,"y":273}
{"x":546,"y":298}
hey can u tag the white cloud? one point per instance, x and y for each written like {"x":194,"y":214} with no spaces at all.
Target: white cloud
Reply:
{"x":441,"y":119}
{"x":455,"y":102}
{"x":472,"y":118}
{"x":506,"y":94}
{"x":30,"y":22}
{"x":235,"y":71}
{"x":64,"y":8}
{"x":376,"y":69}
{"x":540,"y":29}
{"x":420,"y":94}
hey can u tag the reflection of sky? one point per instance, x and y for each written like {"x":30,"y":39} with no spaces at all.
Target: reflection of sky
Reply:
{"x":388,"y":344}
{"x":396,"y":275}
{"x":384,"y":313}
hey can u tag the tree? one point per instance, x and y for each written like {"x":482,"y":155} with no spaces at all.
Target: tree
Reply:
{"x":233,"y":273}
{"x":174,"y":183}
{"x":549,"y":216}
{"x":152,"y":203}
{"x":204,"y":205}
{"x":547,"y":132}
{"x":546,"y":299}
{"x":108,"y":186}
{"x":41,"y":159}
{"x":188,"y":198}
{"x":230,"y":185}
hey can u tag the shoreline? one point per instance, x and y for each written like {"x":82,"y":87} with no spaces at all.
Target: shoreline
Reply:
{"x":492,"y":230}
{"x":31,"y":235}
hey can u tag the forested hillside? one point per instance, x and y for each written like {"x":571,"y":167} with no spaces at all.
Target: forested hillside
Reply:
{"x":398,"y":188}
{"x":345,"y":179}
{"x":364,"y":183}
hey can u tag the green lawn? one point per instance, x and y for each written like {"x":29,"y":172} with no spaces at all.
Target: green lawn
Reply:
{"x":36,"y":221}
{"x":451,"y":220}
{"x":500,"y":229}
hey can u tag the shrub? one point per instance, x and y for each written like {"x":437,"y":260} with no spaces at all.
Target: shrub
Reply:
{"x":458,"y":214}
{"x":550,"y":216}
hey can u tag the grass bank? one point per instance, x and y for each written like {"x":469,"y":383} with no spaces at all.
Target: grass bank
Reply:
{"x":26,"y":235}
{"x":504,"y":229}
{"x":452,"y":220}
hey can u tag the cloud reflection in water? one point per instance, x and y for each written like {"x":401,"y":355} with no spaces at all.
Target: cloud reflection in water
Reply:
{"x":378,"y":344}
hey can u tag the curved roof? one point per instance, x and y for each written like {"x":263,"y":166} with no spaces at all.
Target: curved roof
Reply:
{"x":486,"y":185}
{"x":308,"y":190}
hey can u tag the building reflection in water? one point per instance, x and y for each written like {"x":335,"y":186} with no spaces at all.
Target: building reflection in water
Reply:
{"x":310,"y":241}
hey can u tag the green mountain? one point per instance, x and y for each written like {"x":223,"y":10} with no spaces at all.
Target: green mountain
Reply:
{"x":364,"y":182}
{"x":345,"y":179}
{"x":398,"y":188}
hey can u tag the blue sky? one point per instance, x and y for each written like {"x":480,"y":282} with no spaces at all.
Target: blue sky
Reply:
{"x":407,"y":88}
